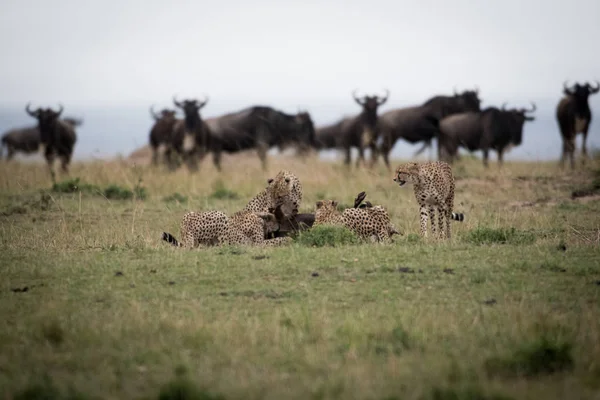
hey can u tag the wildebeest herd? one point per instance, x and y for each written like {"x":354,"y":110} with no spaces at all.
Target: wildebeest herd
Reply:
{"x":456,"y":121}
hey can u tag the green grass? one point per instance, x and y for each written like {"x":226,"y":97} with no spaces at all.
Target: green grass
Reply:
{"x":95,"y":306}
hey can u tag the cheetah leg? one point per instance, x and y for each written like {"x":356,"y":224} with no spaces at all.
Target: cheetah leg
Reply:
{"x":423,"y":211}
{"x":442,"y":213}
{"x":432,"y":220}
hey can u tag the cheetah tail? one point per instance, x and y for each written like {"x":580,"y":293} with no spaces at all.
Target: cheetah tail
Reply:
{"x":167,"y":237}
{"x":458,"y":216}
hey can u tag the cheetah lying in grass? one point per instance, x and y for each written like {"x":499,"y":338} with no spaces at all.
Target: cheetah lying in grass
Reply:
{"x":433,"y":184}
{"x":213,"y":228}
{"x":371,"y":222}
{"x":249,"y":226}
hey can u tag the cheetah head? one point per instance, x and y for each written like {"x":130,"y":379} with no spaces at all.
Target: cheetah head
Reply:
{"x":406,"y":173}
{"x":271,"y":224}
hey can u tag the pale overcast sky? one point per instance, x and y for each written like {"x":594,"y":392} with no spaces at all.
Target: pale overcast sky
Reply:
{"x":298,"y":53}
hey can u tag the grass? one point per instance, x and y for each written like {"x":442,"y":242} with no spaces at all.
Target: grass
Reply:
{"x":95,"y":306}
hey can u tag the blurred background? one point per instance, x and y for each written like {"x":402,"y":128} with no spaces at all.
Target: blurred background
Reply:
{"x":108,"y":61}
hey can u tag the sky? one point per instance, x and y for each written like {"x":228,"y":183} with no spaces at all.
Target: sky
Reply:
{"x":128,"y":54}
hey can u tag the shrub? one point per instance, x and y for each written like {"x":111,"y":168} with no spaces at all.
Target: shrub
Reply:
{"x":483,"y":235}
{"x":324,"y":235}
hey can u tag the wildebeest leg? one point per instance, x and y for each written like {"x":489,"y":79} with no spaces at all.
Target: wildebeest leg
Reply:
{"x":500,"y":158}
{"x":11,"y":153}
{"x":154,"y":155}
{"x":49,"y":155}
{"x":423,"y":221}
{"x":217,"y":159}
{"x":64,"y":163}
{"x":584,"y":152}
{"x":570,"y":150}
{"x":374,"y":155}
{"x":486,"y":156}
{"x":262,"y":149}
{"x":347,"y":158}
{"x":361,"y":156}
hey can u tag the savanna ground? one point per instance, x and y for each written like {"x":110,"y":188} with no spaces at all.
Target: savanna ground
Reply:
{"x":94,"y":305}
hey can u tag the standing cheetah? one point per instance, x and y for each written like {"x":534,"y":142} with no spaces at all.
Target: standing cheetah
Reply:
{"x":369,"y":223}
{"x":434,"y":188}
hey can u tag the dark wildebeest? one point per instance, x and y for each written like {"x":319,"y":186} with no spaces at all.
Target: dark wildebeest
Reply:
{"x":360,"y":131}
{"x":161,"y":131}
{"x":58,"y":137}
{"x":421,"y":123}
{"x":490,"y":129}
{"x":259,"y":127}
{"x":574,"y":116}
{"x":190,"y":135}
{"x":26,"y":140}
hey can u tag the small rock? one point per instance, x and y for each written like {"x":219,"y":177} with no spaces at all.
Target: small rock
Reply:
{"x":449,"y":270}
{"x":406,"y":270}
{"x":314,"y":274}
{"x":118,"y":273}
{"x":490,"y":302}
{"x":152,"y":271}
{"x":171,"y":282}
{"x":223,"y":293}
{"x":562,"y":247}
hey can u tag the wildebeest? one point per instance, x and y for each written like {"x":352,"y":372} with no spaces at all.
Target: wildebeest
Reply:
{"x":574,"y":116}
{"x":161,"y":131}
{"x":489,"y":129}
{"x":190,"y":136}
{"x":26,"y":139}
{"x":360,"y":131}
{"x":421,"y":123}
{"x":58,"y":137}
{"x":259,"y":127}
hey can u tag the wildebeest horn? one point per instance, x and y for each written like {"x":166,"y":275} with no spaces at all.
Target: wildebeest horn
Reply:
{"x":566,"y":88}
{"x":153,"y":114}
{"x":356,"y":98}
{"x":34,"y":114}
{"x":594,"y":89}
{"x":503,"y":108}
{"x":533,"y":108}
{"x":455,"y":92}
{"x":381,"y":100}
{"x":203,"y":102}
{"x":178,"y":104}
{"x":60,"y":110}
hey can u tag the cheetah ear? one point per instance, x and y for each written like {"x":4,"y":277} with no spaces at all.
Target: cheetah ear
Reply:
{"x":414,"y":168}
{"x":319,"y":204}
{"x":269,"y":181}
{"x":287,"y":180}
{"x":334,"y":203}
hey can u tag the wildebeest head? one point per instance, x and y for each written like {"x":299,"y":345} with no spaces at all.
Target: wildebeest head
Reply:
{"x":581,"y":92}
{"x":165,"y":113}
{"x":47,"y":119}
{"x":469,"y":100}
{"x":517,"y":118}
{"x":306,"y":129}
{"x":191,"y":110}
{"x":371,"y":103}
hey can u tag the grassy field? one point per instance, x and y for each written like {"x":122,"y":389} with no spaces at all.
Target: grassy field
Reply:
{"x":95,"y":305}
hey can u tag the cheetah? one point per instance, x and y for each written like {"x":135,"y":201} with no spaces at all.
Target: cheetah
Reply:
{"x":369,"y":223}
{"x":213,"y":228}
{"x":285,"y":190}
{"x":434,"y":188}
